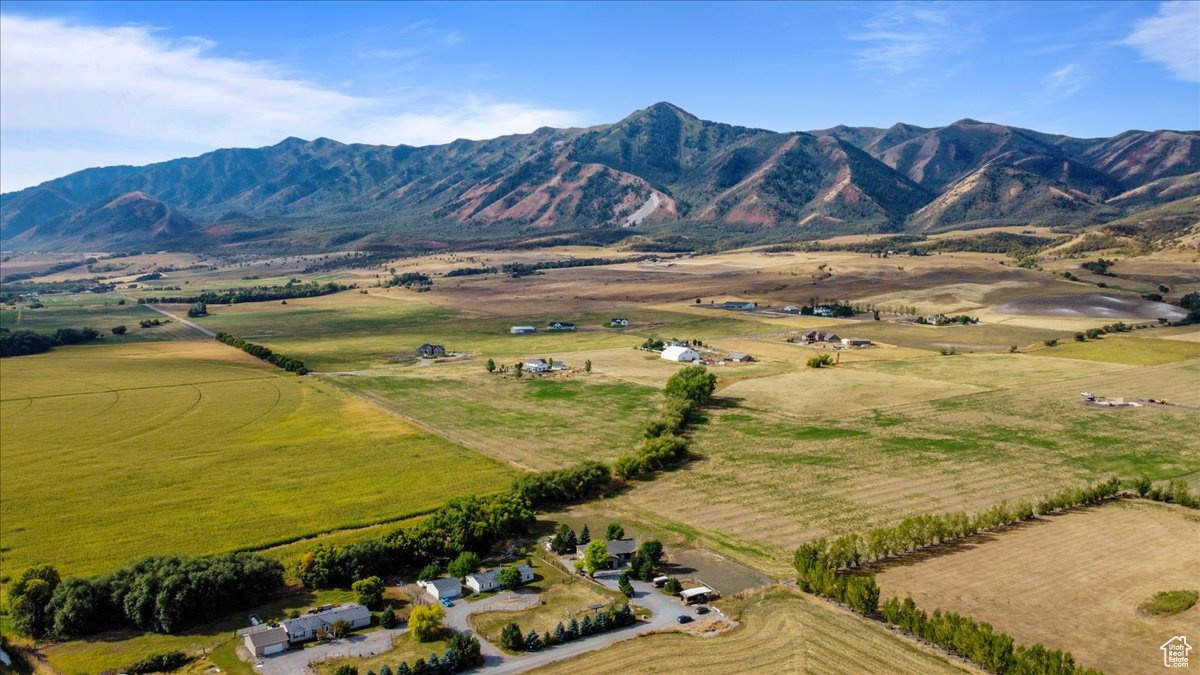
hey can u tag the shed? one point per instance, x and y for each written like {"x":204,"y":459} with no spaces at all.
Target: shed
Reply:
{"x":680,"y":354}
{"x":739,"y":357}
{"x":522,"y":330}
{"x":697,"y":594}
{"x":267,"y":642}
{"x":446,"y":587}
{"x":740,"y":305}
{"x":856,"y":342}
{"x":526,"y":572}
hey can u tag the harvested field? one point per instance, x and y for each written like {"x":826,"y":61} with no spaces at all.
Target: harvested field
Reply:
{"x":1071,"y":582}
{"x":780,"y":632}
{"x":1138,"y":351}
{"x":1097,"y":305}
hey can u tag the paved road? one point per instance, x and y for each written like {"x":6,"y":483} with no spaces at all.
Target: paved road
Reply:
{"x":296,"y":661}
{"x":185,"y":322}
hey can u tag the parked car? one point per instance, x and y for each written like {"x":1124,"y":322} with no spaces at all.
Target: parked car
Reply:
{"x":447,"y":602}
{"x":702,"y":610}
{"x":684,"y":618}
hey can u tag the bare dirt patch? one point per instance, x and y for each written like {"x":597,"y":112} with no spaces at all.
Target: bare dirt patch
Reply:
{"x":1098,"y":305}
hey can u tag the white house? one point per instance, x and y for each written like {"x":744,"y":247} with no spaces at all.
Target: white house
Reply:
{"x":856,"y":342}
{"x":526,"y":573}
{"x":442,"y":588}
{"x":482,"y":582}
{"x":822,"y":310}
{"x":267,"y":642}
{"x":739,"y":357}
{"x":307,"y":626}
{"x":680,"y":354}
{"x":620,"y":323}
{"x":522,"y":330}
{"x":560,"y":326}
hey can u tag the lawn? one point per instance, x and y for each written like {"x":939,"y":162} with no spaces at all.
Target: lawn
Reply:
{"x":1071,"y":582}
{"x":560,"y":602}
{"x":195,"y":447}
{"x":781,"y":631}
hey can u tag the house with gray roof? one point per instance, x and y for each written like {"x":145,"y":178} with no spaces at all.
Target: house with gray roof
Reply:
{"x":307,"y":626}
{"x":273,"y":640}
{"x":444,"y":588}
{"x":620,"y":551}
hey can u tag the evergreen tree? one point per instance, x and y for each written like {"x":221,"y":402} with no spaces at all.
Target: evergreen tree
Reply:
{"x":585,"y":536}
{"x":403,"y":669}
{"x":419,"y":668}
{"x":573,"y":631}
{"x":533,"y":643}
{"x":449,"y":661}
{"x":624,"y":585}
{"x":560,"y":633}
{"x":547,"y":639}
{"x":585,"y":626}
{"x":510,"y":638}
{"x":385,"y":670}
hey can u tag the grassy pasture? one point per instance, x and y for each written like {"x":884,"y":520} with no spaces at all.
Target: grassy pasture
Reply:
{"x":194,"y":447}
{"x":1071,"y":582}
{"x":100,"y":312}
{"x":780,"y":631}
{"x":1137,"y":351}
{"x":536,"y":423}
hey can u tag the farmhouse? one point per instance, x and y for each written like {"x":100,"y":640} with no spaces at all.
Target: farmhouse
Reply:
{"x":791,"y":309}
{"x":832,"y":337}
{"x":267,"y":642}
{"x":308,"y":626}
{"x":619,"y":323}
{"x":822,"y":310}
{"x":544,"y":366}
{"x":427,"y":350}
{"x":560,"y":326}
{"x":739,"y":357}
{"x":442,"y":588}
{"x":856,"y":342}
{"x":680,"y":354}
{"x":814,"y":336}
{"x":522,"y":330}
{"x":740,"y":305}
{"x":620,"y":551}
{"x":482,"y":582}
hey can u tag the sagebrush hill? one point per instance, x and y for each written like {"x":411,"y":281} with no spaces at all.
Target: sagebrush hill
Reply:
{"x":659,"y":170}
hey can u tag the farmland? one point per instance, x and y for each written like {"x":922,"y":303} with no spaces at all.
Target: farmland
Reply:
{"x":1071,"y":582}
{"x":130,"y":426}
{"x":780,"y":631}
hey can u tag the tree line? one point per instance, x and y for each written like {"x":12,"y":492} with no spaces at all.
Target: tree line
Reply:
{"x":526,"y":269}
{"x":820,"y":567}
{"x":163,"y":594}
{"x":292,"y":365}
{"x":601,"y":621}
{"x":1176,"y":492}
{"x":251,"y":294}
{"x":462,"y":653}
{"x":26,"y":342}
{"x":470,"y":271}
{"x":662,"y":443}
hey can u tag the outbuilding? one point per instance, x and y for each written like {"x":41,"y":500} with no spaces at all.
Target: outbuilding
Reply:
{"x":739,"y":357}
{"x":267,"y":642}
{"x":856,"y":342}
{"x":447,"y":587}
{"x":680,"y":354}
{"x":697,"y":594}
{"x":522,"y":330}
{"x":740,"y":305}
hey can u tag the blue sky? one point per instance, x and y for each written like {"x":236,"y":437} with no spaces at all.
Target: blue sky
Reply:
{"x":97,"y":83}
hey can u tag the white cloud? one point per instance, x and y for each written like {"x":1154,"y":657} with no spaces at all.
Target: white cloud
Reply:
{"x":1171,"y":37}
{"x":128,"y":95}
{"x":1064,"y":81}
{"x":905,"y":36}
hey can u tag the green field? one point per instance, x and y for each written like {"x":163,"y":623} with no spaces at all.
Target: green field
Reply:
{"x":100,"y":312}
{"x":1136,"y":351}
{"x":111,"y":453}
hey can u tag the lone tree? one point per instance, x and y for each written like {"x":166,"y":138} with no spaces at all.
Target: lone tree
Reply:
{"x":595,"y":556}
{"x":614,"y":532}
{"x":511,"y":638}
{"x":508,"y":578}
{"x":370,"y":591}
{"x":563,"y":542}
{"x":587,"y":366}
{"x":491,"y":365}
{"x":425,"y":623}
{"x":673,"y":586}
{"x":466,"y":563}
{"x":585,"y":536}
{"x":694,"y":383}
{"x":119,"y":330}
{"x":820,"y":361}
{"x":197,"y":310}
{"x":624,"y":585}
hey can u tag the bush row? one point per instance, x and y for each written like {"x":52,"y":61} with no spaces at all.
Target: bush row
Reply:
{"x":1176,"y":492}
{"x":663,"y":445}
{"x":159,"y":594}
{"x":278,"y":360}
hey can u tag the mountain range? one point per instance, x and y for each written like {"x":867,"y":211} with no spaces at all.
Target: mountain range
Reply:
{"x":659,"y":170}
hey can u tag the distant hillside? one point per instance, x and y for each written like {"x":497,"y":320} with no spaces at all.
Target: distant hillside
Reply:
{"x":659,"y":170}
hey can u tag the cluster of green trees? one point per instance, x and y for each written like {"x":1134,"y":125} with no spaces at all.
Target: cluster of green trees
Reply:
{"x":408,"y":279}
{"x":578,"y":483}
{"x":943,"y":320}
{"x":1176,"y":492}
{"x":470,"y":271}
{"x":462,"y":653}
{"x":252,"y":294}
{"x":197,"y":310}
{"x":526,"y":269}
{"x":164,"y":662}
{"x":1096,"y":333}
{"x":462,"y":524}
{"x":978,"y":642}
{"x":1190,"y":302}
{"x":663,"y":445}
{"x":819,"y":361}
{"x":160,"y":594}
{"x":26,"y":342}
{"x":837,"y":307}
{"x":259,"y":351}
{"x":602,"y":620}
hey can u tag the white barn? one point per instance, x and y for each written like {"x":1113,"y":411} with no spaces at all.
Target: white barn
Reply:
{"x":680,"y":354}
{"x":442,"y":588}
